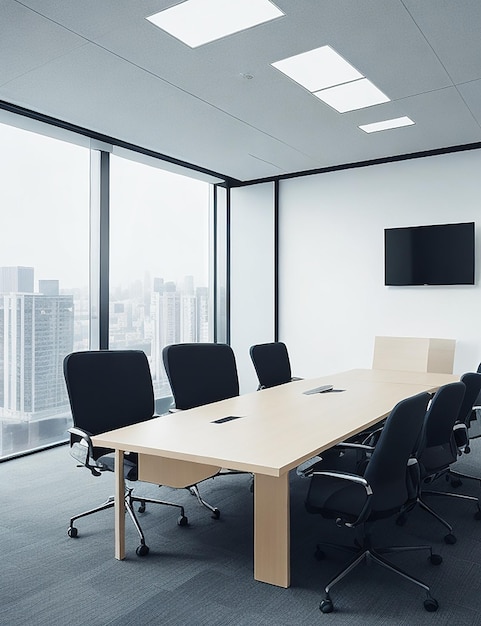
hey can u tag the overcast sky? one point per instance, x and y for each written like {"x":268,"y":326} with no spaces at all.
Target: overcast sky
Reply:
{"x":159,"y":220}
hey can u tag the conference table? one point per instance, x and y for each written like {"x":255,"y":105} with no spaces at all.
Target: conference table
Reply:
{"x":267,"y":433}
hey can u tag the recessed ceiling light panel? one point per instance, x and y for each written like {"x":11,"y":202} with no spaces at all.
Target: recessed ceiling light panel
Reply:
{"x":351,"y":96}
{"x":387,"y":124}
{"x":317,"y":69}
{"x":196,"y":22}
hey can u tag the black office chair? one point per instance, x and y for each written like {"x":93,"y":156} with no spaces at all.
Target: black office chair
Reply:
{"x":377,"y":486}
{"x":438,"y":451}
{"x":474,"y":429}
{"x":201,"y":373}
{"x":272,"y":364}
{"x":109,"y":390}
{"x":467,"y":426}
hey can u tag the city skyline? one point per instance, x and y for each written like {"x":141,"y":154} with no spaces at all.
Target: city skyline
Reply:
{"x":39,"y":328}
{"x":158,"y":227}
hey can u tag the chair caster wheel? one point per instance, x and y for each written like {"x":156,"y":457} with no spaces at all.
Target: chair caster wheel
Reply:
{"x":72,"y":532}
{"x":319,"y":554}
{"x":141,"y":508}
{"x":436,"y":559}
{"x":431,"y":605}
{"x":142,"y":550}
{"x":215,"y":514}
{"x":183,"y":521}
{"x":326,"y":606}
{"x":450,"y":538}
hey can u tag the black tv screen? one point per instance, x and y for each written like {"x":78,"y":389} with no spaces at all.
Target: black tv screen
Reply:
{"x":442,"y":254}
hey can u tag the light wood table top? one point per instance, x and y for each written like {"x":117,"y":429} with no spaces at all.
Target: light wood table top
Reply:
{"x":276,"y":430}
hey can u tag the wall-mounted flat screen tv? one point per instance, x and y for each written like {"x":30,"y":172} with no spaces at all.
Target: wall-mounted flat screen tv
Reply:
{"x":441,"y":254}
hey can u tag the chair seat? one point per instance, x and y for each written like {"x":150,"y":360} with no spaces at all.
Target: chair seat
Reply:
{"x":437,"y":458}
{"x":107,"y":463}
{"x":330,"y":501}
{"x":340,"y":459}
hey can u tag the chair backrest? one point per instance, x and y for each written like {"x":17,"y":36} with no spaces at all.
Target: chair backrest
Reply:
{"x":474,"y":422}
{"x":472,"y":382}
{"x":387,"y":470}
{"x":477,"y":401}
{"x":108,"y":389}
{"x":442,"y":414}
{"x":271,"y":362}
{"x":200,"y":373}
{"x":438,"y":448}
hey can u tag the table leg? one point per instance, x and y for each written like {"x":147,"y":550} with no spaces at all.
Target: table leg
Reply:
{"x":272,"y":529}
{"x":119,"y":505}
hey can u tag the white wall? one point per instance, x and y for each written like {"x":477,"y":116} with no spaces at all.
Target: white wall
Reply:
{"x":252,"y":275}
{"x":333,"y":301}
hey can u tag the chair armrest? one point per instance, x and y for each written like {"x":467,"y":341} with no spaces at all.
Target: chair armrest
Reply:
{"x":354,"y":446}
{"x":308,"y":468}
{"x":80,"y":432}
{"x":373,"y":435}
{"x":83,"y":449}
{"x":367,"y":437}
{"x":461,"y":436}
{"x":413,"y":478}
{"x":472,"y":415}
{"x":359,"y":480}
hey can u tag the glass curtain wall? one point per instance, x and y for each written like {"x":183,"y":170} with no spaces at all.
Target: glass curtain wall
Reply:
{"x":44,"y":274}
{"x":161,"y":273}
{"x":160,"y":288}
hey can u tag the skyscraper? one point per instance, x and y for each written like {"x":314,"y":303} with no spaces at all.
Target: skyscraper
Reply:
{"x":36,"y":332}
{"x":177,"y":316}
{"x":166,"y":324}
{"x":202,"y":314}
{"x":49,"y":287}
{"x":16,"y":279}
{"x":188,"y":317}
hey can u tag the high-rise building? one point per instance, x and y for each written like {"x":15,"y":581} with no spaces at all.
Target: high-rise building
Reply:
{"x":166,"y":316}
{"x":158,"y":285}
{"x":37,"y":332}
{"x":177,"y":316}
{"x":188,"y":317}
{"x":16,"y":279}
{"x":202,"y":314}
{"x":188,"y":286}
{"x":49,"y":287}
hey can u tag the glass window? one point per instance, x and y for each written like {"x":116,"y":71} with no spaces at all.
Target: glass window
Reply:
{"x":159,"y":263}
{"x":44,"y":200}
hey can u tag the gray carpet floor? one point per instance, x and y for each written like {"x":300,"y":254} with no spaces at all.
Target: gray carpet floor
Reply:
{"x":203,"y":574}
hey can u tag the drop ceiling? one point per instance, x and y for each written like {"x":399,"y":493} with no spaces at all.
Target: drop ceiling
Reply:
{"x":100,"y":65}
